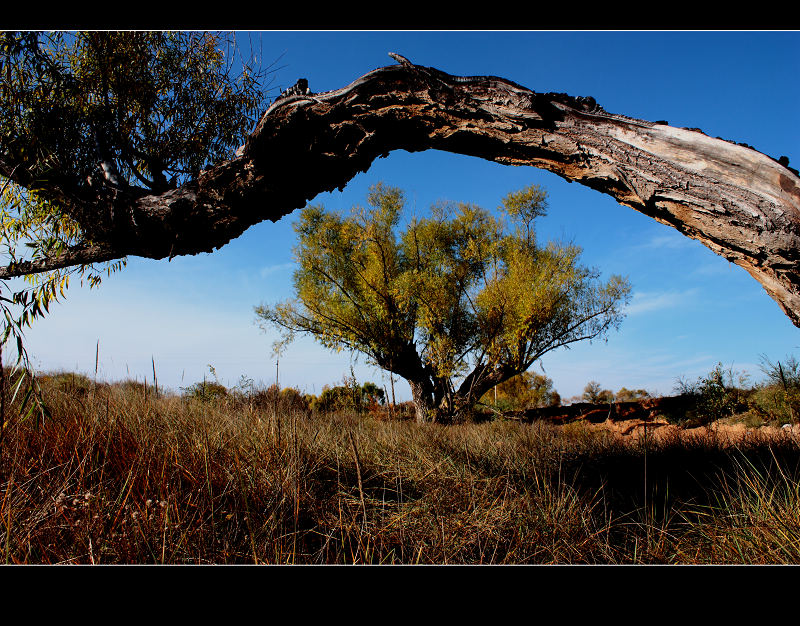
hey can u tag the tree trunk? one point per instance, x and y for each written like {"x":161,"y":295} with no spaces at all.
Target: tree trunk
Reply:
{"x":422,"y":396}
{"x":738,"y":202}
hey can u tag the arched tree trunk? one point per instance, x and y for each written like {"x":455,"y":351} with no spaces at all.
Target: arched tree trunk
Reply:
{"x":738,"y":202}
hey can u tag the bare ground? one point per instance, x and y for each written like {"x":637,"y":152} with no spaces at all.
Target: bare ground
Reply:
{"x":725,"y":431}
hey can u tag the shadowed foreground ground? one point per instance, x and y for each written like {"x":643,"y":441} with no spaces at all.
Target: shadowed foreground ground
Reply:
{"x":117,"y":475}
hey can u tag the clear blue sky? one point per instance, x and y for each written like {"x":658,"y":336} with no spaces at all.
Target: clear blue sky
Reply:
{"x":690,"y":308}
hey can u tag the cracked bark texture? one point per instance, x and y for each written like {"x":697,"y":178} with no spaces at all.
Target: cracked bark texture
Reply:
{"x":740,"y":203}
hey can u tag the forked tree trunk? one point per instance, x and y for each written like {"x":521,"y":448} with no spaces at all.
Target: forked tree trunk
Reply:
{"x":738,"y":202}
{"x":422,"y":397}
{"x":434,"y":404}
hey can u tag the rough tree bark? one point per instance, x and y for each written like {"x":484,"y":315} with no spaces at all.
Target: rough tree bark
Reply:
{"x":738,"y":202}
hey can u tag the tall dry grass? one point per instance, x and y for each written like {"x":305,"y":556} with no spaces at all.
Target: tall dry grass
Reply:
{"x":120,"y":474}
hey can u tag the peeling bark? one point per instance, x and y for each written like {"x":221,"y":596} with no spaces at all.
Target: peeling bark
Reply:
{"x":743,"y":205}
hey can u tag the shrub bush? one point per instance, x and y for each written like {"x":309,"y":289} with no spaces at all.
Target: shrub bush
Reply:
{"x":593,"y":392}
{"x":631,"y":395}
{"x":777,"y":400}
{"x":715,"y":396}
{"x":349,"y":396}
{"x":523,"y":391}
{"x":68,"y":382}
{"x":205,"y":391}
{"x":287,"y":400}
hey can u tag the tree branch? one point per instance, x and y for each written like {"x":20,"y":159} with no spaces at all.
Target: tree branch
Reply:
{"x":738,"y":202}
{"x":75,"y":256}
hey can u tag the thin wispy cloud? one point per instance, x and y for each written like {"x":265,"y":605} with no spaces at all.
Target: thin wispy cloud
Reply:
{"x":650,"y":301}
{"x":278,"y":268}
{"x":667,"y":241}
{"x":716,"y":267}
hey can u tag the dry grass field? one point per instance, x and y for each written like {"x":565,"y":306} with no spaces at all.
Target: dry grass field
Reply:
{"x":118,"y":474}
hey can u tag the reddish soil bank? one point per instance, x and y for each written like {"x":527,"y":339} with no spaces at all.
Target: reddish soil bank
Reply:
{"x":650,"y":416}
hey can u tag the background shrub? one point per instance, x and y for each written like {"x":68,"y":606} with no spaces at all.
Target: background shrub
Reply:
{"x":714,"y":396}
{"x":777,"y":400}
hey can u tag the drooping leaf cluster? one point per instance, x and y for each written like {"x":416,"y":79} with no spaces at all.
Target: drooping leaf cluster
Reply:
{"x":79,"y":111}
{"x":463,"y":290}
{"x":157,"y":105}
{"x":84,"y":112}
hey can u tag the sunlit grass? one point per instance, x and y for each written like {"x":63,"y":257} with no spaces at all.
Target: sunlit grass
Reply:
{"x":120,"y":474}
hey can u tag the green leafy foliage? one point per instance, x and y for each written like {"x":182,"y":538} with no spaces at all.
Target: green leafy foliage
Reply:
{"x":82,"y":114}
{"x":594,"y":392}
{"x":158,"y":104}
{"x":79,"y":111}
{"x":717,"y":395}
{"x":463,"y":296}
{"x":631,"y":395}
{"x":206,"y":391}
{"x":778,"y":398}
{"x":527,"y":390}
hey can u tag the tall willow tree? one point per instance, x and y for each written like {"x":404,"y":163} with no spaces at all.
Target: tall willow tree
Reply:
{"x":455,"y":303}
{"x":89,"y":120}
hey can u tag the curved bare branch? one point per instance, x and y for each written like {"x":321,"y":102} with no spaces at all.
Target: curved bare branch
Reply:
{"x":738,"y":202}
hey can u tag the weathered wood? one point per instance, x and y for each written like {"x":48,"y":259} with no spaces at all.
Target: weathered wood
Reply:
{"x":738,"y":202}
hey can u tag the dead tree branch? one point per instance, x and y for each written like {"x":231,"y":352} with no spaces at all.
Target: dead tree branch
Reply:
{"x":738,"y":202}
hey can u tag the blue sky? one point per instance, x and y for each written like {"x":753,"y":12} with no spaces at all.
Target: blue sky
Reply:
{"x":690,"y":308}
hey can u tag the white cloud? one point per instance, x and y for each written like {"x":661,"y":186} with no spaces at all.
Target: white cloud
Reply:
{"x":649,"y":301}
{"x":669,"y":240}
{"x":715,"y":267}
{"x":278,"y":268}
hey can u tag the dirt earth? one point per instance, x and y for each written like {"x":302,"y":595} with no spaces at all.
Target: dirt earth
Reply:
{"x":661,"y":430}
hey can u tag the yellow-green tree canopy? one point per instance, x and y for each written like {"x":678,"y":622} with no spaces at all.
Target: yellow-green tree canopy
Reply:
{"x":455,"y":303}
